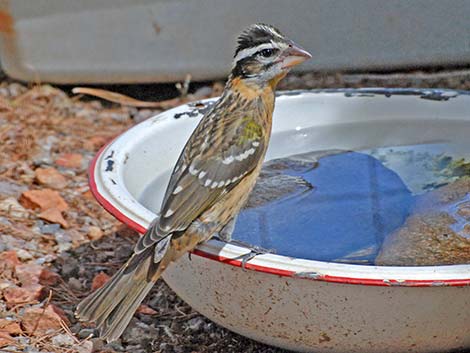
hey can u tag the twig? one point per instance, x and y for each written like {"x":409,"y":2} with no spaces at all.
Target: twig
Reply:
{"x":183,"y":88}
{"x":125,"y":100}
{"x":67,"y":330}
{"x":42,"y":314}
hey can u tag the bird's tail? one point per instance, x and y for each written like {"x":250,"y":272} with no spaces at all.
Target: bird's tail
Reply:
{"x":113,"y":305}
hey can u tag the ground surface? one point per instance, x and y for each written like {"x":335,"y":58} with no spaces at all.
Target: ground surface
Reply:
{"x":55,"y":239}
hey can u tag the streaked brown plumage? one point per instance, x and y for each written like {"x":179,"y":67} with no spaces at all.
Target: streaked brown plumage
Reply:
{"x":211,"y":181}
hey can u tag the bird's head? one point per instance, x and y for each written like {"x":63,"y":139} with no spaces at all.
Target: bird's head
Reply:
{"x":264,"y":55}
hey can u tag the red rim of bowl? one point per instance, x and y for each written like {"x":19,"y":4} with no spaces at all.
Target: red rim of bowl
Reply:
{"x":114,"y":211}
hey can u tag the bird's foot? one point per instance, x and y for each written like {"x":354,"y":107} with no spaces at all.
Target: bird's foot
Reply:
{"x":254,"y":251}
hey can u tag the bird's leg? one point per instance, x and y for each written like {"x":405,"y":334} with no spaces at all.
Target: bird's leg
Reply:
{"x":225,"y":233}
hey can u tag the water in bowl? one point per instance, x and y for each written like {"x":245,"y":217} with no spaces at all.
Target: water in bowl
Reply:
{"x":357,"y":207}
{"x":394,"y":205}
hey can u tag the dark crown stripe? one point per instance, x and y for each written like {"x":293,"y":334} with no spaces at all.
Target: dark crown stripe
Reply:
{"x":255,"y":35}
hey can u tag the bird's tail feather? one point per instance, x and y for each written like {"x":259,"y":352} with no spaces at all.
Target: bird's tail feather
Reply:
{"x":113,"y":305}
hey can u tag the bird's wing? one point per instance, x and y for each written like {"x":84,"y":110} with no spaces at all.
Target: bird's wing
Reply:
{"x":217,"y":156}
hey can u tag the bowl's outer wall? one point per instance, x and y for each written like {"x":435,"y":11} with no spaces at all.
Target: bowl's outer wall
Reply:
{"x":305,"y":315}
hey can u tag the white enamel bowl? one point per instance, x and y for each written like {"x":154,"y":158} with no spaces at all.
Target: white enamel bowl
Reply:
{"x":293,"y":303}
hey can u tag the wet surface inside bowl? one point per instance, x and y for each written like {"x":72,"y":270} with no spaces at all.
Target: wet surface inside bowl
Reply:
{"x":406,"y":205}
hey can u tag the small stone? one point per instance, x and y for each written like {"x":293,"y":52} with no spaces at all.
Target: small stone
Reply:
{"x":116,"y":346}
{"x":10,"y":326}
{"x":195,"y":324}
{"x":8,"y":188}
{"x":94,"y":233}
{"x":76,"y":237}
{"x":5,"y":283}
{"x":70,"y":160}
{"x":98,"y":344}
{"x":48,"y":278}
{"x":53,"y":215}
{"x":49,"y":228}
{"x":15,"y":295}
{"x":85,"y":333}
{"x":63,"y":340}
{"x":99,"y":280}
{"x":45,"y":259}
{"x":24,"y":255}
{"x":28,"y":274}
{"x":8,"y":260}
{"x":83,"y":347}
{"x":64,"y":241}
{"x":26,"y":341}
{"x":40,"y":321}
{"x":43,"y":199}
{"x":13,"y":208}
{"x":69,"y":268}
{"x":75,"y":284}
{"x":137,"y":329}
{"x":50,"y":177}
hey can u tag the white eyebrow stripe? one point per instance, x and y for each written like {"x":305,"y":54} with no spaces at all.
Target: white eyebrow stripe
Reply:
{"x":250,"y":51}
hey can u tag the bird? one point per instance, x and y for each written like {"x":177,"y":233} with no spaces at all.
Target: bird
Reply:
{"x":212,"y":178}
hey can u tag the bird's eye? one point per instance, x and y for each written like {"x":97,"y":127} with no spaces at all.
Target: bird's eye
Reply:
{"x":266,"y":53}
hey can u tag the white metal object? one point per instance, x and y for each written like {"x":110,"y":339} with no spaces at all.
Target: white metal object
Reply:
{"x":112,"y":41}
{"x":300,"y":304}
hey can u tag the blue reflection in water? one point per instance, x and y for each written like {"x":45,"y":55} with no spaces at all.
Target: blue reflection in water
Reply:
{"x":344,"y":204}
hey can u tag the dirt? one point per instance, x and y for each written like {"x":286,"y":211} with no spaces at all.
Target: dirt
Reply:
{"x":47,"y":128}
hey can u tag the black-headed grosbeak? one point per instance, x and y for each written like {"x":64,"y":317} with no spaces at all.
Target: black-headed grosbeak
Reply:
{"x":212,"y":179}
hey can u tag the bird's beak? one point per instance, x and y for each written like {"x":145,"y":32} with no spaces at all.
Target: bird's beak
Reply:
{"x":294,"y":55}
